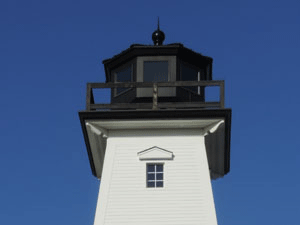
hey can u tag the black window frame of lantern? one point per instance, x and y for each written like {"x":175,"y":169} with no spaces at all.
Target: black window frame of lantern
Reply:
{"x":172,"y":70}
{"x":115,"y":72}
{"x":199,"y":77}
{"x":155,"y":172}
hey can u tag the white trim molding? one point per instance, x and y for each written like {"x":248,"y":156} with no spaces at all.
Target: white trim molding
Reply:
{"x":155,"y":153}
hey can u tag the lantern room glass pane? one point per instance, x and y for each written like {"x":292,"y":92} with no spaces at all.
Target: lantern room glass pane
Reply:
{"x":124,"y":75}
{"x":155,"y":71}
{"x":189,"y":74}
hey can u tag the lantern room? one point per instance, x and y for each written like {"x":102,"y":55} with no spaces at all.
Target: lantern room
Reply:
{"x":157,"y":64}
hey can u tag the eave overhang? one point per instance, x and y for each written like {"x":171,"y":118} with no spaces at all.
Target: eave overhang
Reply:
{"x":119,"y":117}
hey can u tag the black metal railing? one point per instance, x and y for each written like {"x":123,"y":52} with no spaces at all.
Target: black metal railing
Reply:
{"x":155,"y":104}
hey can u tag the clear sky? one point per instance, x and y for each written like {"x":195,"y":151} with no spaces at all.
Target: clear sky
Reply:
{"x":49,"y":50}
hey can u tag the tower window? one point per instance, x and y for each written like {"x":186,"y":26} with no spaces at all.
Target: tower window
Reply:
{"x":155,"y":175}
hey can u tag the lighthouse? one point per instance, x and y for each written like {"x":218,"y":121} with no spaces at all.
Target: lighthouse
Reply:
{"x":158,"y":143}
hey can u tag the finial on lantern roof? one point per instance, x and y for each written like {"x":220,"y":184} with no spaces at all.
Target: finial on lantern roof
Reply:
{"x":158,"y":36}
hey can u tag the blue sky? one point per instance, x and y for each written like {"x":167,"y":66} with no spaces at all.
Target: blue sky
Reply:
{"x":49,"y":50}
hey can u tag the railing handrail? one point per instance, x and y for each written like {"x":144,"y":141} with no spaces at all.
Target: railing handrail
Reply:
{"x":159,"y":84}
{"x":90,"y":104}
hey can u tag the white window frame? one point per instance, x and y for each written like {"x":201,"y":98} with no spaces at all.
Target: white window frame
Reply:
{"x":155,"y":172}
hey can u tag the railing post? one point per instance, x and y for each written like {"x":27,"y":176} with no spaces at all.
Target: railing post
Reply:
{"x":154,"y":106}
{"x":222,"y":95}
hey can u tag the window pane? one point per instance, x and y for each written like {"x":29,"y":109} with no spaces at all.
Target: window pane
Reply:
{"x":159,"y":168}
{"x":150,"y":176}
{"x":150,"y":168}
{"x":150,"y":184}
{"x":123,"y":75}
{"x":159,"y":184}
{"x":155,"y":71}
{"x":189,"y":74}
{"x":159,"y":176}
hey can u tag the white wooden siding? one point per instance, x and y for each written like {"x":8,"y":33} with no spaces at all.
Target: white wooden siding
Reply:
{"x":185,"y":199}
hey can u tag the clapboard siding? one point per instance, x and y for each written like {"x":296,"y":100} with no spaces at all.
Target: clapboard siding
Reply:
{"x":185,"y":199}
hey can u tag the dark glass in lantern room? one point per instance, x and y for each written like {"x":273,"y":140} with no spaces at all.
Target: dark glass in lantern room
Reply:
{"x":156,"y":71}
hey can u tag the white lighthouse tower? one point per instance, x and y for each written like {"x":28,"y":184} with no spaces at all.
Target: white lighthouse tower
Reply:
{"x":158,"y":143}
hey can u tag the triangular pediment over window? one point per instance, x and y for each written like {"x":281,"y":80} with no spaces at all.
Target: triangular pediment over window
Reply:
{"x":155,"y":153}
